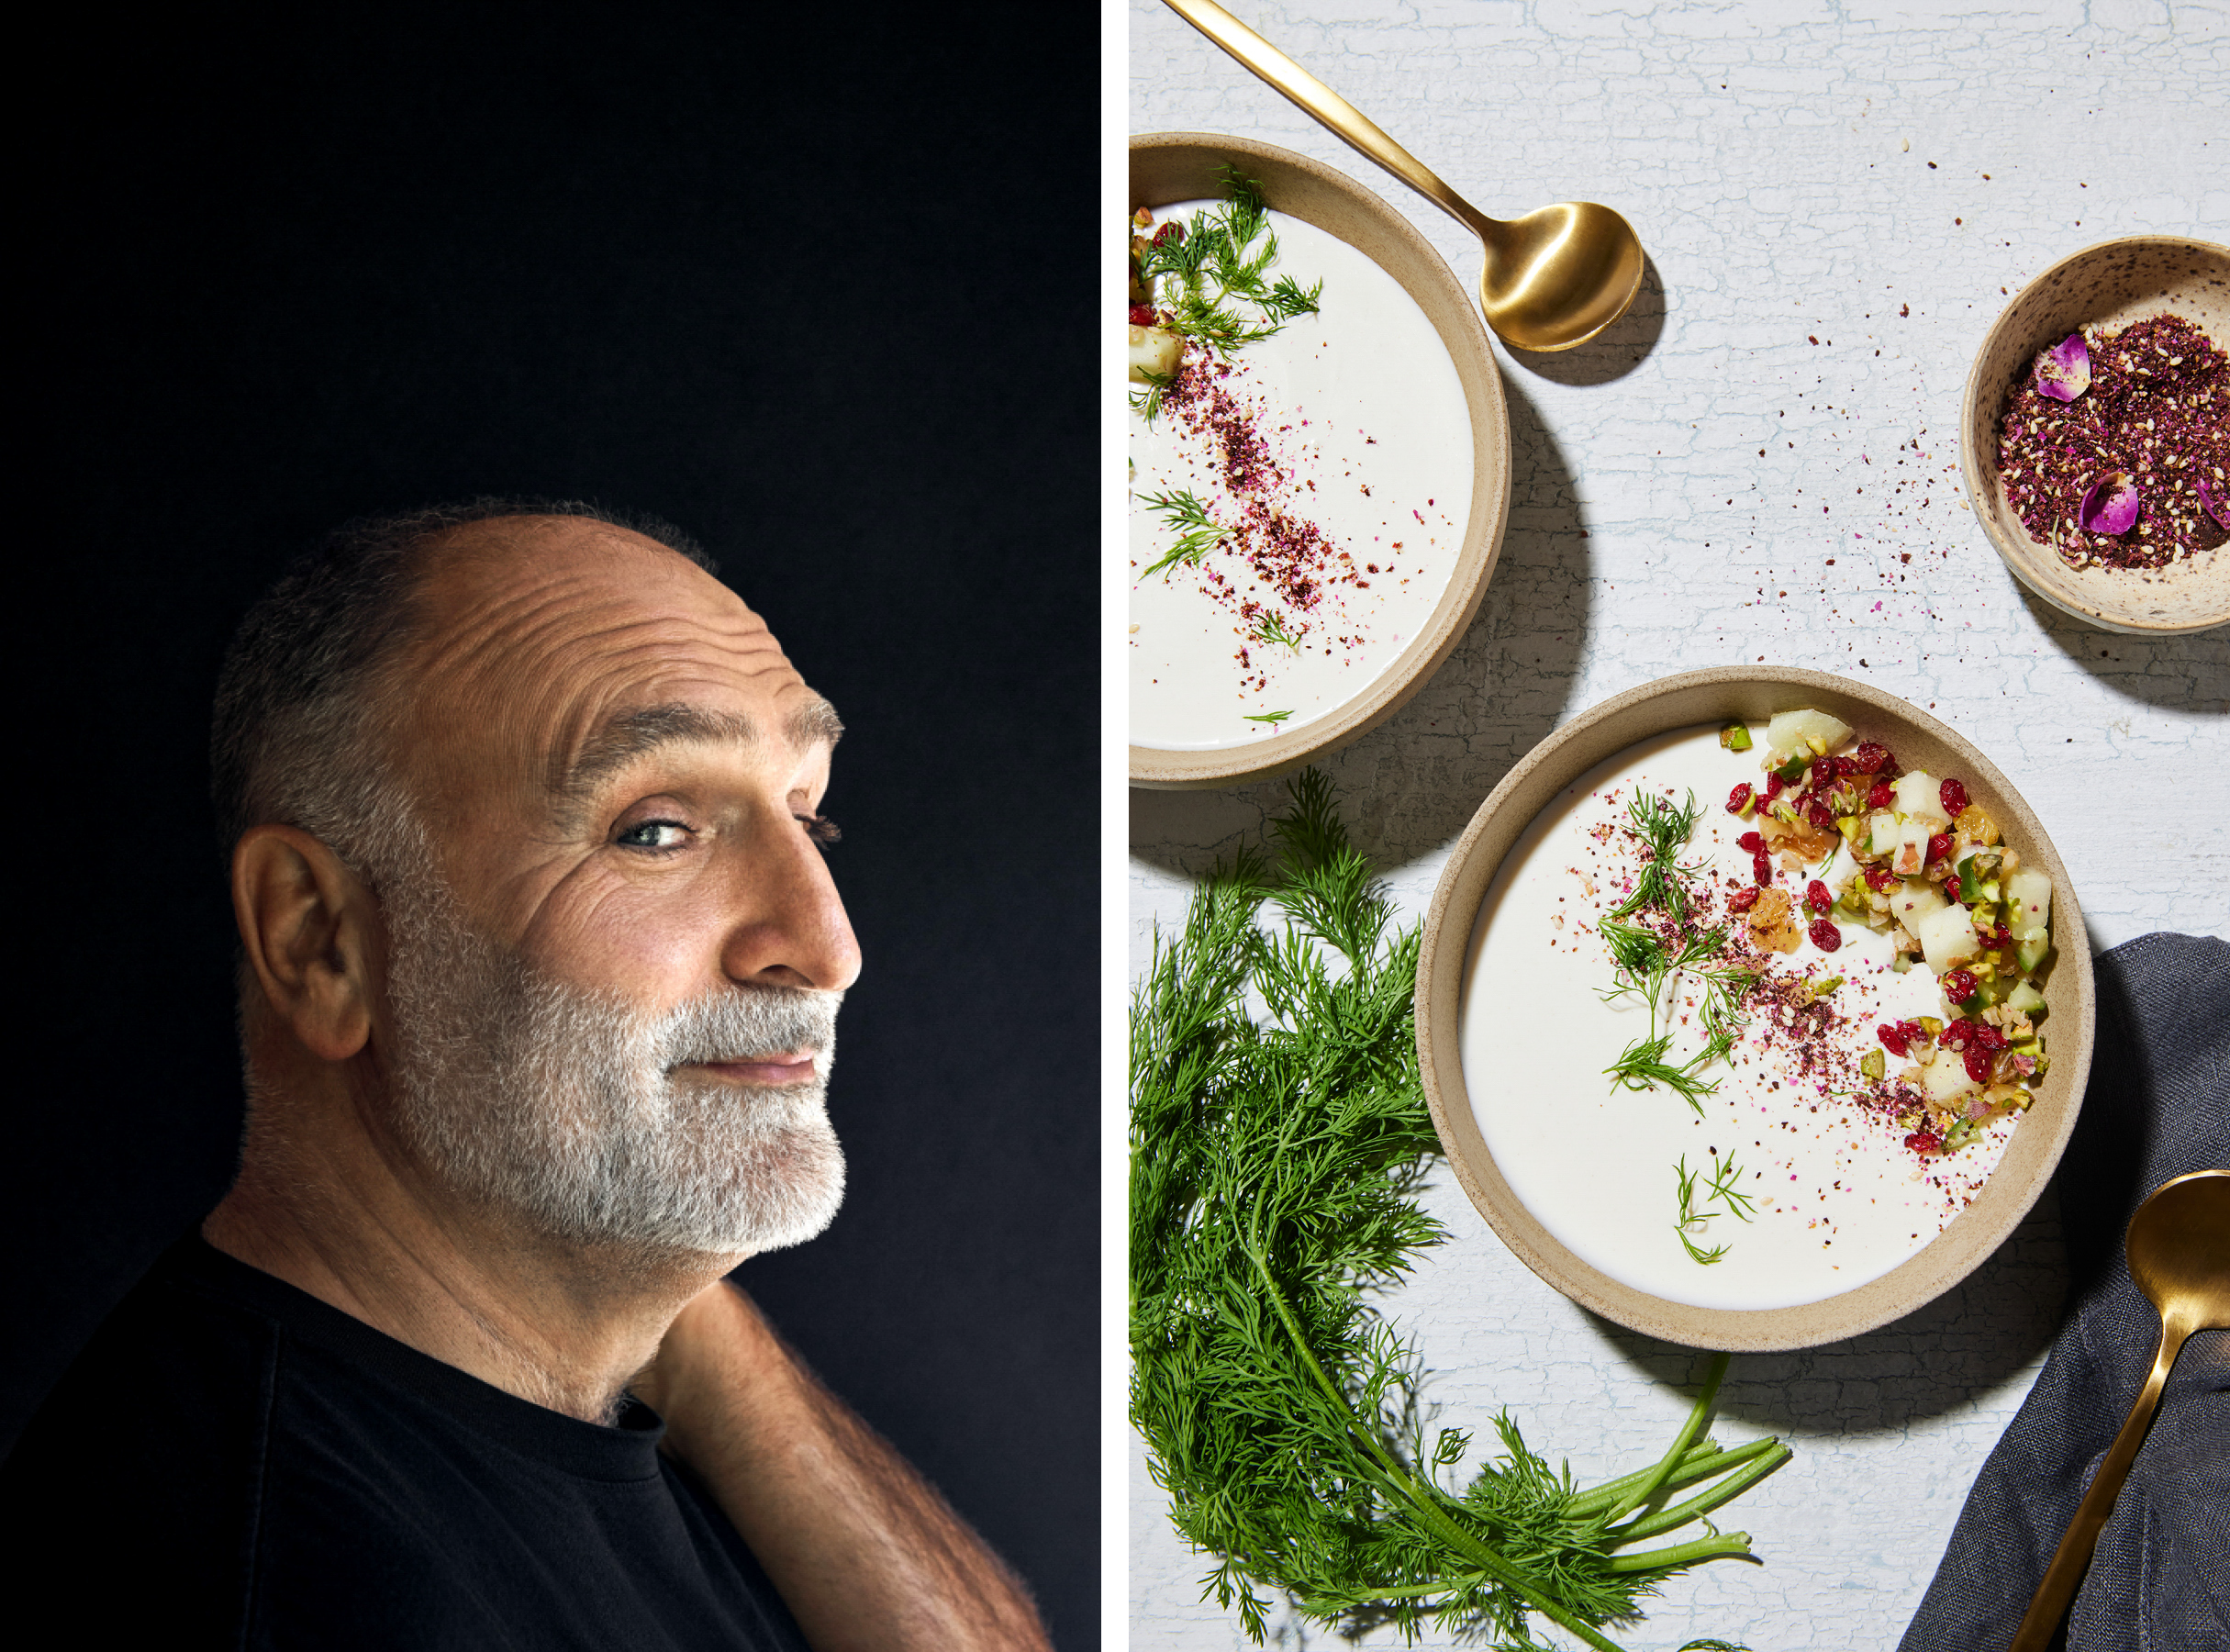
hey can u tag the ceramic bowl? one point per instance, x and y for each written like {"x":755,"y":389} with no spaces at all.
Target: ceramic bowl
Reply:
{"x":1716,"y":696}
{"x":2107,"y":286}
{"x":1167,"y":167}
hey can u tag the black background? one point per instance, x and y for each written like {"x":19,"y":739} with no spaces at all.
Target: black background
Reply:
{"x":818,"y":292}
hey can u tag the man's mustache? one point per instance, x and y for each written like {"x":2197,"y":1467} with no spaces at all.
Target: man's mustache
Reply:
{"x":747,"y":1023}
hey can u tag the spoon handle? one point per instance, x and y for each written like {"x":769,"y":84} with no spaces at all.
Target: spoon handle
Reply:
{"x":1347,"y":122}
{"x":2072,"y":1559}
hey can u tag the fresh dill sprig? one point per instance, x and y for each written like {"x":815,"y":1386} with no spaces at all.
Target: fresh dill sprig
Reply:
{"x":1690,"y":1220}
{"x":1692,"y":1216}
{"x":1268,"y":717}
{"x":1271,"y":628}
{"x":1148,"y":401}
{"x":1642,"y":1066}
{"x":1662,"y":881}
{"x":1224,"y":256}
{"x":1197,"y":532}
{"x":1724,"y":1190}
{"x":1273,"y":1165}
{"x":1644,"y":962}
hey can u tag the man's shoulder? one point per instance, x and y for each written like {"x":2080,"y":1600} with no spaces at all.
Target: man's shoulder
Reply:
{"x":229,"y":1455}
{"x":151,"y":1446}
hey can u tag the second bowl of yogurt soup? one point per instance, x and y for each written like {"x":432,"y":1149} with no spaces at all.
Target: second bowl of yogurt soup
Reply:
{"x":1317,"y":465}
{"x":1755,"y":1011}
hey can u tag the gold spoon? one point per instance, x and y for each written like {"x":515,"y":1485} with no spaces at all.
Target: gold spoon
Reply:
{"x":2180,"y":1257}
{"x":1553,"y":279}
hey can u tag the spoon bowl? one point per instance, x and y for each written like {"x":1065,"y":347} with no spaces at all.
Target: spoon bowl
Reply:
{"x":2180,"y":1257}
{"x":1559,"y":276}
{"x":1553,"y":279}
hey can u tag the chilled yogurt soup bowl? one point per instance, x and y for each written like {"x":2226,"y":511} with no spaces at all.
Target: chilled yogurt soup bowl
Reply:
{"x":1359,"y":459}
{"x":1845,"y":1207}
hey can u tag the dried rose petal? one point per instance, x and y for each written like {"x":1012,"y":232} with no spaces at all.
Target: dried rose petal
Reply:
{"x":2063,"y":372}
{"x":2110,"y":506}
{"x":2217,"y":508}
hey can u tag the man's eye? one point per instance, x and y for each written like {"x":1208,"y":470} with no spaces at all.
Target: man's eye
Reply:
{"x":652,"y":834}
{"x":821,"y":830}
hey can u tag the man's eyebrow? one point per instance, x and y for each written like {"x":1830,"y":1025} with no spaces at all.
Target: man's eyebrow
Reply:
{"x":625,"y":736}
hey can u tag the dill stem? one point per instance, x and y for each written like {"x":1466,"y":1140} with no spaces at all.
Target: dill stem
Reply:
{"x":1672,"y":1519}
{"x":1701,"y":1462}
{"x":1704,"y":1548}
{"x":1394,"y":1477}
{"x":1656,"y":1477}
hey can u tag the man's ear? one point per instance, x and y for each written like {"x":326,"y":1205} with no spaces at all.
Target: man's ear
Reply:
{"x":309,"y":928}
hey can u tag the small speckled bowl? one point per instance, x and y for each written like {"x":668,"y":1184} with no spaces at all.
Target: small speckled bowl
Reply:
{"x":2111,"y":285}
{"x":1719,"y":696}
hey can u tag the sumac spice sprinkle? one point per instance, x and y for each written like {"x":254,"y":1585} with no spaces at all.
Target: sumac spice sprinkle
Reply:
{"x":2158,"y":409}
{"x":1288,"y":556}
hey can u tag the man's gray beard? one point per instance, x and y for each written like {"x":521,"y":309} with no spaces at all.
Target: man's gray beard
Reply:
{"x":564,"y":1106}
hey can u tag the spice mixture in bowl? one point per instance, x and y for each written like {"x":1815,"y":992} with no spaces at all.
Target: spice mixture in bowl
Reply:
{"x":2095,"y":437}
{"x":2116,"y":450}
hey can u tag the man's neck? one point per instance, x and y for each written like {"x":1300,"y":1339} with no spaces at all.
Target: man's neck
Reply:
{"x":563,"y":1325}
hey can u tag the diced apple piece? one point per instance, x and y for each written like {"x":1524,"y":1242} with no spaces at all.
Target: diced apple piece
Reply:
{"x":1791,"y":733}
{"x":1912,"y":857}
{"x":1919,"y":798}
{"x":1915,"y":902}
{"x":1882,"y":834}
{"x":1945,"y":1079}
{"x":1154,"y":349}
{"x":1947,"y":938}
{"x":2029,"y":893}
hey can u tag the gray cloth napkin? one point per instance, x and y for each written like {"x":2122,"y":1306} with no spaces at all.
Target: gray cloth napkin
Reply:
{"x":2157,"y":1106}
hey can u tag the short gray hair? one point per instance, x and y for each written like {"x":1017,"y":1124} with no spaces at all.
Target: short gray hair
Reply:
{"x":302,"y":700}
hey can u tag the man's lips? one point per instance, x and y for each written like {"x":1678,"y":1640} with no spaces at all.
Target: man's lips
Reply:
{"x":787,"y":1066}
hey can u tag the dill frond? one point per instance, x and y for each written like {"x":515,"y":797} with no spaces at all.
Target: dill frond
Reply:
{"x":1197,"y":532}
{"x":1275,"y":1162}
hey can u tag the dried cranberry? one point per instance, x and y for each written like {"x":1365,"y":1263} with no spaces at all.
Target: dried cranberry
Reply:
{"x":1870,"y":758}
{"x":1773,"y":787}
{"x":1959,"y":986}
{"x":1751,"y":842}
{"x":1958,"y":1034}
{"x":1761,"y":866}
{"x":1817,"y":812}
{"x":1881,"y":879}
{"x":1939,"y":846}
{"x":1742,"y":901}
{"x":1141,"y":315}
{"x":1824,"y":769}
{"x":1739,"y":799}
{"x":1955,"y":798}
{"x":1988,"y":1037}
{"x":1825,"y":935}
{"x":1882,"y":796}
{"x":1924,"y":1143}
{"x":1171,"y":231}
{"x":1817,"y":897}
{"x":1978,"y":1064}
{"x":1892,"y":1036}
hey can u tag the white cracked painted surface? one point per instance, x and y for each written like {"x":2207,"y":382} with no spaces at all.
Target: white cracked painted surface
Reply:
{"x":1774,"y":157}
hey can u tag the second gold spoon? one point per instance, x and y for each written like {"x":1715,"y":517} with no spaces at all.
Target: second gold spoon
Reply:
{"x":2180,"y":1257}
{"x":1553,"y":279}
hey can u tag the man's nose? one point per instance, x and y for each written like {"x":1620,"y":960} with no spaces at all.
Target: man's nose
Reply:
{"x":791,"y":928}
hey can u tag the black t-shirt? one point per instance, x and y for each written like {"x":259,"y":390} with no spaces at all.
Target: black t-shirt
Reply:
{"x":233,"y":1462}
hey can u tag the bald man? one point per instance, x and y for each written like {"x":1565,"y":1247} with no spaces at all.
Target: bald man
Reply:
{"x":539,"y":964}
